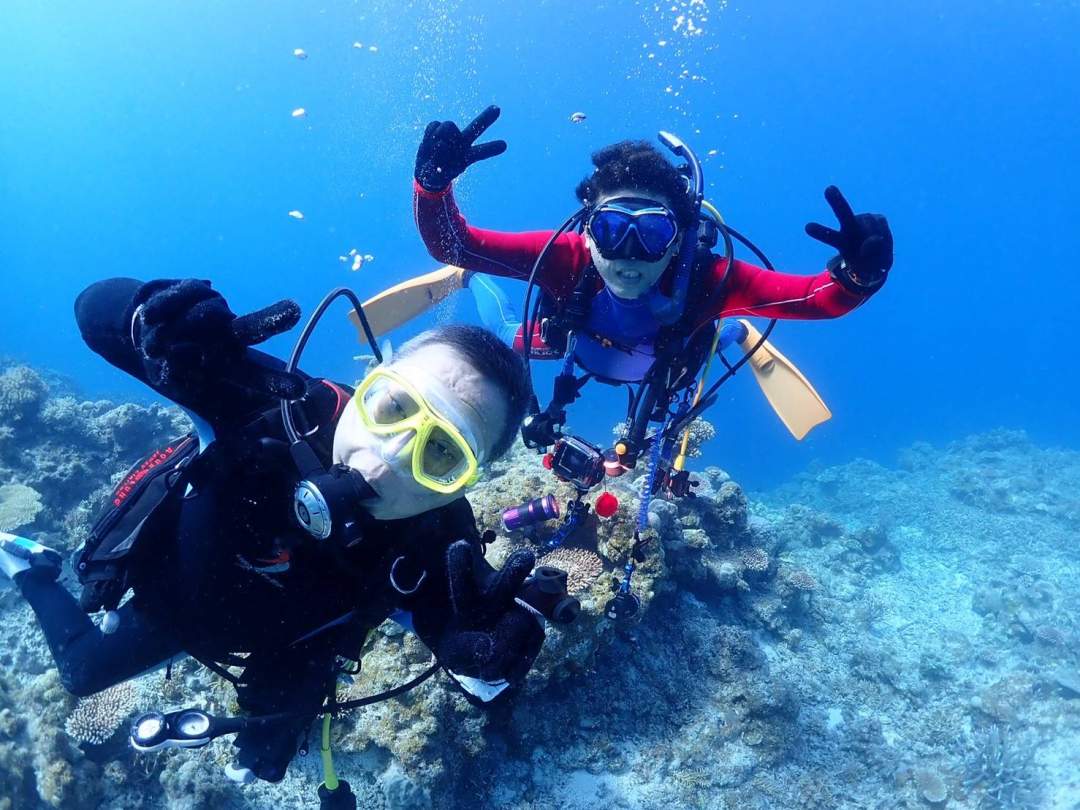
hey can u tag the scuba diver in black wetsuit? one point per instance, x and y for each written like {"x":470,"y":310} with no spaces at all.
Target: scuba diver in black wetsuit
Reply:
{"x":310,"y":514}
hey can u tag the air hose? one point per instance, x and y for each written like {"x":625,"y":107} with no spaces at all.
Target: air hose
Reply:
{"x":329,"y":774}
{"x":650,"y":480}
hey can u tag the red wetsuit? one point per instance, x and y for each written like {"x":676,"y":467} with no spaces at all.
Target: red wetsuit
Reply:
{"x":742,"y":289}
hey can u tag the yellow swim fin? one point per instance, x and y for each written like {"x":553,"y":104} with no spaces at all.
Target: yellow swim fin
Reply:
{"x":403,"y":302}
{"x":788,"y":391}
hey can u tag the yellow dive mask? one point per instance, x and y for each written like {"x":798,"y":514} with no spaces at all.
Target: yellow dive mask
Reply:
{"x":443,"y":449}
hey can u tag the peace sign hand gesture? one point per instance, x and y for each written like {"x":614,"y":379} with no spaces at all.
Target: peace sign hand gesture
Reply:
{"x":445,"y":151}
{"x":489,"y":634}
{"x":864,"y":242}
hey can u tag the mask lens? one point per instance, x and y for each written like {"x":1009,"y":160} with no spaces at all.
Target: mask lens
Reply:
{"x":653,"y":226}
{"x":444,"y":459}
{"x":656,"y":232}
{"x":608,"y":228}
{"x":387,"y":403}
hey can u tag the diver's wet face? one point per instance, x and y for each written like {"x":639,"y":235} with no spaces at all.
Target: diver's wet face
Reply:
{"x":473,"y":404}
{"x":629,"y":277}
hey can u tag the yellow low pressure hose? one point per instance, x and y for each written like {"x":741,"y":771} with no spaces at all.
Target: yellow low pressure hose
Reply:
{"x":329,"y":775}
{"x":680,"y":460}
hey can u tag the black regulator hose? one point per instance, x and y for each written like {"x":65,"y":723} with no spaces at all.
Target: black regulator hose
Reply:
{"x":528,"y":313}
{"x":706,"y":399}
{"x":305,"y":334}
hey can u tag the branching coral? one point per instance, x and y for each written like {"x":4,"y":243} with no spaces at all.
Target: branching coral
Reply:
{"x":701,"y":431}
{"x":755,"y":560}
{"x":96,"y":718}
{"x":802,"y":581}
{"x":22,"y":393}
{"x":582,"y":567}
{"x":1001,"y":775}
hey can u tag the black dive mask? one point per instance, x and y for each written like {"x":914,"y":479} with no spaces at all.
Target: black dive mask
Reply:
{"x":327,"y":501}
{"x":632,"y":228}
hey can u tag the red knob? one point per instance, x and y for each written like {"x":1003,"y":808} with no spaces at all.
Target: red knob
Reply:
{"x":548,"y":461}
{"x":606,"y":505}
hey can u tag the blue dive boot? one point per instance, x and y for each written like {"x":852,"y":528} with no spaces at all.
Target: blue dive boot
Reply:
{"x":17,"y":554}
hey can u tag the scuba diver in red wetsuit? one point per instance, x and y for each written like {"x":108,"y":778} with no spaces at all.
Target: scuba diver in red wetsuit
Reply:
{"x":631,"y":294}
{"x":621,"y":281}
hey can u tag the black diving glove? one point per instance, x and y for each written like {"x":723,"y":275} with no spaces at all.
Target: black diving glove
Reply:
{"x":864,"y":241}
{"x":188,"y":337}
{"x":489,"y":636}
{"x":445,"y":151}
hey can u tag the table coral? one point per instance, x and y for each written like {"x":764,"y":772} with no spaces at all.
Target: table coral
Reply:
{"x":19,"y":506}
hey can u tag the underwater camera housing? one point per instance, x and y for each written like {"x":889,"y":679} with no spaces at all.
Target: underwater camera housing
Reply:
{"x":577,"y":462}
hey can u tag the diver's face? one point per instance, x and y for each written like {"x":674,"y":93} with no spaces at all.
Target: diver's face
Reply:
{"x":477,"y":401}
{"x":631,"y":278}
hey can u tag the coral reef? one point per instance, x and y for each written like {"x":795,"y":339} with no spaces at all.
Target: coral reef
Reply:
{"x":862,"y":637}
{"x":65,"y":453}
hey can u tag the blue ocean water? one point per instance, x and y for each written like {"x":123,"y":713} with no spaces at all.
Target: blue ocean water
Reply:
{"x":155,"y":140}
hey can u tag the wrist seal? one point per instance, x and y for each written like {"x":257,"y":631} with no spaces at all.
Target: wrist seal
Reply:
{"x":844,"y":275}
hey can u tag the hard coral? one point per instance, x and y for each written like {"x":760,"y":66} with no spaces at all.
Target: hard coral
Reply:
{"x":1001,"y":775}
{"x":755,"y":560}
{"x":19,"y":506}
{"x":582,"y":567}
{"x":932,"y":788}
{"x":802,"y":581}
{"x":97,"y":717}
{"x":22,"y":393}
{"x":701,"y":431}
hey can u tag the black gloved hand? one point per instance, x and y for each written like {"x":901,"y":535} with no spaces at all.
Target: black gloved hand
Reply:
{"x":489,"y":636}
{"x":445,"y":151}
{"x":188,"y":336}
{"x":864,"y":241}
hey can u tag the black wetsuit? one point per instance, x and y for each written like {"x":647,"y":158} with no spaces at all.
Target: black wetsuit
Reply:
{"x":236,"y":574}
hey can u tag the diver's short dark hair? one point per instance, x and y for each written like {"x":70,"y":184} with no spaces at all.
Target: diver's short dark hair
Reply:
{"x":641,"y":165}
{"x":495,"y":360}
